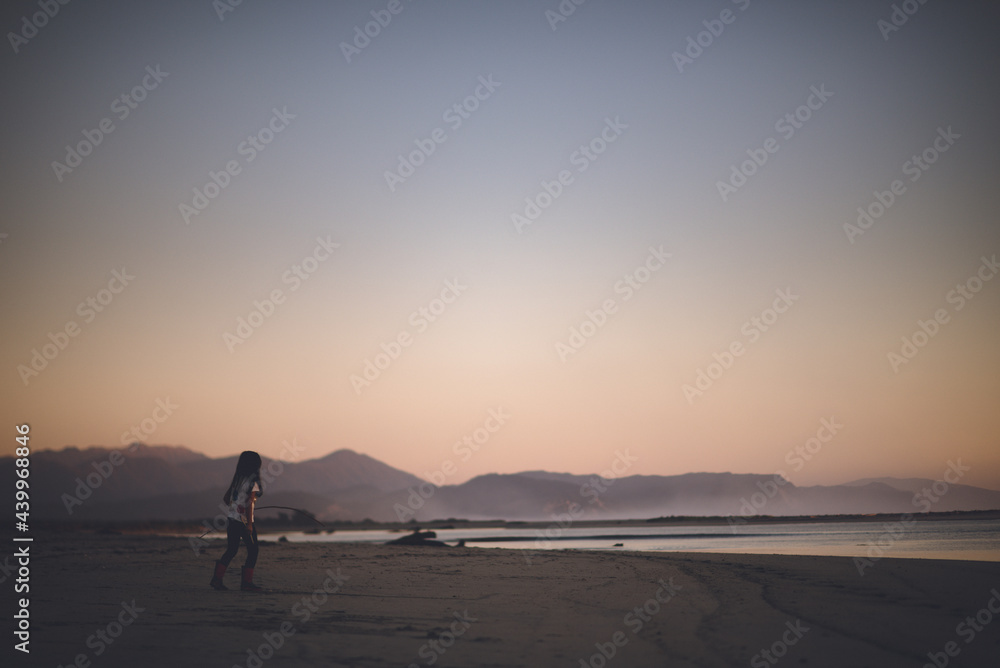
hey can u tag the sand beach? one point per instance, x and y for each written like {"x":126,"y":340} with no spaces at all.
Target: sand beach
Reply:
{"x":140,"y":600}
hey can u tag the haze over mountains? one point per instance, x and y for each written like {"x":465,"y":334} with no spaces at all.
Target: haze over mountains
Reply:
{"x":174,"y":483}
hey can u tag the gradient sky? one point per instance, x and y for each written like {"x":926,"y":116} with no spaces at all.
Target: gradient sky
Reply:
{"x":826,"y":357}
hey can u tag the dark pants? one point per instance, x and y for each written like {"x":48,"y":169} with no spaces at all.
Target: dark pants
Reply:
{"x":237,"y":531}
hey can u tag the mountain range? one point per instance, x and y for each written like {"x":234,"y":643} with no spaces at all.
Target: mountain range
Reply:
{"x":163,"y":482}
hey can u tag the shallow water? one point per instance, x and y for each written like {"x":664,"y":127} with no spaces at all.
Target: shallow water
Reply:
{"x":977,"y":540}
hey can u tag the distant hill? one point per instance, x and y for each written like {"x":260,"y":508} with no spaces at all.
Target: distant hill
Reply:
{"x":175,"y":483}
{"x":905,"y":484}
{"x":72,"y":455}
{"x":957,"y":496}
{"x":690,"y":494}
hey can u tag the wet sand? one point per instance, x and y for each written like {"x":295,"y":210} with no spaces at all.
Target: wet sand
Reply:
{"x":121,"y":600}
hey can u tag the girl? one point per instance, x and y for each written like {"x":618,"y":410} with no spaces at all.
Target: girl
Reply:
{"x":241,"y":495}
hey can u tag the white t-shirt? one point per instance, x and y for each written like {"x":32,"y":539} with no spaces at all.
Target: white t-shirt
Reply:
{"x":239,"y":505}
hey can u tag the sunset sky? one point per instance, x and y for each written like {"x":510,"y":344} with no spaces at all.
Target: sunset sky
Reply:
{"x":607,"y":234}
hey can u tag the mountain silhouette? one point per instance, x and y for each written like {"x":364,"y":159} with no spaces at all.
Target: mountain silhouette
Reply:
{"x":164,"y":482}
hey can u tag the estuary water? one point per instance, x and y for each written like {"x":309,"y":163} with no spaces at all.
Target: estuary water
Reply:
{"x":976,"y":540}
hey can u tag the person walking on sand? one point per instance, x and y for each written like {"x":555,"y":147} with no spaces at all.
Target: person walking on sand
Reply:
{"x":241,"y":496}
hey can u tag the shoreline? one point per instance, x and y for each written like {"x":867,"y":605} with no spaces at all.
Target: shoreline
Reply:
{"x":350,"y":604}
{"x":271,"y":525}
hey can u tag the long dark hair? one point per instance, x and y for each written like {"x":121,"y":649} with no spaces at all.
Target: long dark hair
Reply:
{"x":248,"y":467}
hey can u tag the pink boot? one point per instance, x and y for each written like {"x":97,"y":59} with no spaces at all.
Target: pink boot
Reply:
{"x":220,"y":570}
{"x":247,"y":582}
